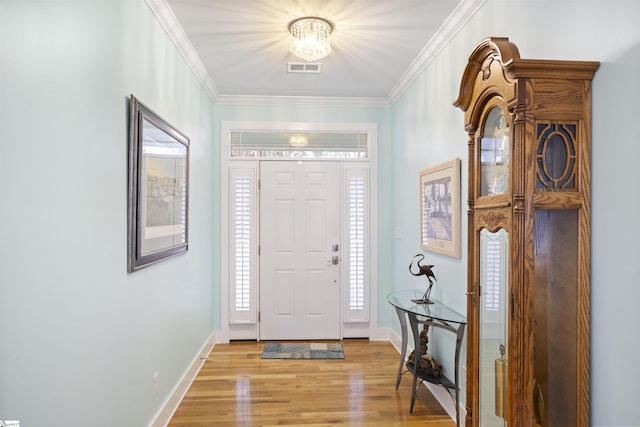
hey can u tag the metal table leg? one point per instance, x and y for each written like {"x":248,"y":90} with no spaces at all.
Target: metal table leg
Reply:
{"x":403,"y":347}
{"x":459,"y":331}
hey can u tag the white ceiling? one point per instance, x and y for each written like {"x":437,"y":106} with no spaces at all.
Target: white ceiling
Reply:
{"x":239,"y":48}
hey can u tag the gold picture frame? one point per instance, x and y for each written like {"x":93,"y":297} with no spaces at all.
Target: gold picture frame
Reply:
{"x":440,"y":208}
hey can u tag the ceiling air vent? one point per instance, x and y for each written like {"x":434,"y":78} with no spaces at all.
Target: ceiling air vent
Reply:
{"x":304,"y":67}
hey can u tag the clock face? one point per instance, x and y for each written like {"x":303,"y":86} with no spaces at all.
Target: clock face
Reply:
{"x":495,"y":154}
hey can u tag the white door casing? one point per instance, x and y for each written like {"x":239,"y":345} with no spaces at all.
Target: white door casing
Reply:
{"x":300,"y":250}
{"x":240,"y":219}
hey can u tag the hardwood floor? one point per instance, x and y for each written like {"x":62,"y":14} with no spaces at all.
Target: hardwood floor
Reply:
{"x":237,"y":388}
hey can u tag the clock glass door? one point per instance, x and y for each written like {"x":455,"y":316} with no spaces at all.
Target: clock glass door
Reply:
{"x":493,"y":327}
{"x":494,"y":154}
{"x":555,"y":309}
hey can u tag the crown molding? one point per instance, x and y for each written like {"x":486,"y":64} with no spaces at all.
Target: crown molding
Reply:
{"x":169,"y":22}
{"x":313,"y":101}
{"x":454,"y":23}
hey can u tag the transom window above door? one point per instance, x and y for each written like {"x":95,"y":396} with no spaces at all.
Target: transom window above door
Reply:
{"x":299,"y":145}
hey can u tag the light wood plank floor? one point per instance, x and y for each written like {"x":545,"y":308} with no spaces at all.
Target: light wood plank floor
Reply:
{"x":237,"y":388}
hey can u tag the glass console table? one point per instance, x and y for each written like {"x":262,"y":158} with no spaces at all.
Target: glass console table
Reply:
{"x":437,"y":315}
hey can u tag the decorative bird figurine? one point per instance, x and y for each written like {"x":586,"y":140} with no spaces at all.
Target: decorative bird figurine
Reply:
{"x":423,"y":270}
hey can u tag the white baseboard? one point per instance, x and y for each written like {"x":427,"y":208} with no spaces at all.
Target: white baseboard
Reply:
{"x":444,"y":399}
{"x":396,"y":341}
{"x":170,"y":406}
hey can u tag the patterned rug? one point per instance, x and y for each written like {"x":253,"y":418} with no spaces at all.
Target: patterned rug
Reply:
{"x":303,"y":351}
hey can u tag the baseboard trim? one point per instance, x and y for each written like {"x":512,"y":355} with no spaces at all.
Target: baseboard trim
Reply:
{"x":444,"y":399}
{"x":172,"y":403}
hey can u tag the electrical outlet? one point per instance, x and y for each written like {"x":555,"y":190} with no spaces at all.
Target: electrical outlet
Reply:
{"x":156,"y":378}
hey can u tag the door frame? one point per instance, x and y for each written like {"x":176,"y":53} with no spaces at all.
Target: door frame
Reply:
{"x":250,"y":331}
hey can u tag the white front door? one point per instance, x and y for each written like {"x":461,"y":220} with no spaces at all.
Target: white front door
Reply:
{"x":300,"y":250}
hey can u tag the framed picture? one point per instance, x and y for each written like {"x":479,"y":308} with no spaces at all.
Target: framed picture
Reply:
{"x":158,"y":188}
{"x":440,"y":208}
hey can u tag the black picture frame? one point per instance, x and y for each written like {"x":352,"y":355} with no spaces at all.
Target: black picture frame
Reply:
{"x":158,"y":220}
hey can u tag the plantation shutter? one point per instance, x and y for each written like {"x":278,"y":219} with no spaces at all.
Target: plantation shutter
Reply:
{"x":243,"y":239}
{"x":356,"y":251}
{"x":495,"y":251}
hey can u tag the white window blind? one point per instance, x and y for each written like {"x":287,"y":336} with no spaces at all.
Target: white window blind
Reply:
{"x":242,"y":242}
{"x":299,"y":145}
{"x":356,"y":251}
{"x":493,"y":270}
{"x":356,"y":240}
{"x":243,"y":239}
{"x":492,"y":276}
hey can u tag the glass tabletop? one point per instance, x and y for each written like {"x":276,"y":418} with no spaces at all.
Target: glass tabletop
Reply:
{"x":403,"y":300}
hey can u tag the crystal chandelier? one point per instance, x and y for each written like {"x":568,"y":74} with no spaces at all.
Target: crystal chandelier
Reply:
{"x":310,"y":38}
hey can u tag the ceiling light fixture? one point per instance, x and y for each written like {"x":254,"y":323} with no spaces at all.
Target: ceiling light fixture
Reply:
{"x":310,"y":37}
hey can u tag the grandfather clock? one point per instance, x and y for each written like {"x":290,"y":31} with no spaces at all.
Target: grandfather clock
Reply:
{"x":529,"y":124}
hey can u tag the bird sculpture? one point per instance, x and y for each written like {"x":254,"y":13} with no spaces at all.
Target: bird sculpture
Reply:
{"x":423,"y":270}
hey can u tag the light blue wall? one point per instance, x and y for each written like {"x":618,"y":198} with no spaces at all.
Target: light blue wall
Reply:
{"x":80,"y":339}
{"x":427,"y":130}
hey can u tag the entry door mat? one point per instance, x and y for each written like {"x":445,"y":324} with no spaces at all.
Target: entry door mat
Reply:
{"x":314,"y":350}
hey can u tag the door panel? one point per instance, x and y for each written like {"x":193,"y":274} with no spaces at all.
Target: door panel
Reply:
{"x":299,"y":223}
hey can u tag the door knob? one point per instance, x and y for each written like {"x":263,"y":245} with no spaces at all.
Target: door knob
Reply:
{"x":335,"y":260}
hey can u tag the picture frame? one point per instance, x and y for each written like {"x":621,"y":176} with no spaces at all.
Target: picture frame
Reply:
{"x":440,"y":208}
{"x":158,"y":205}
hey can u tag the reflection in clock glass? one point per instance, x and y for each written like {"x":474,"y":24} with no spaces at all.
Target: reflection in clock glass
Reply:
{"x":494,"y":154}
